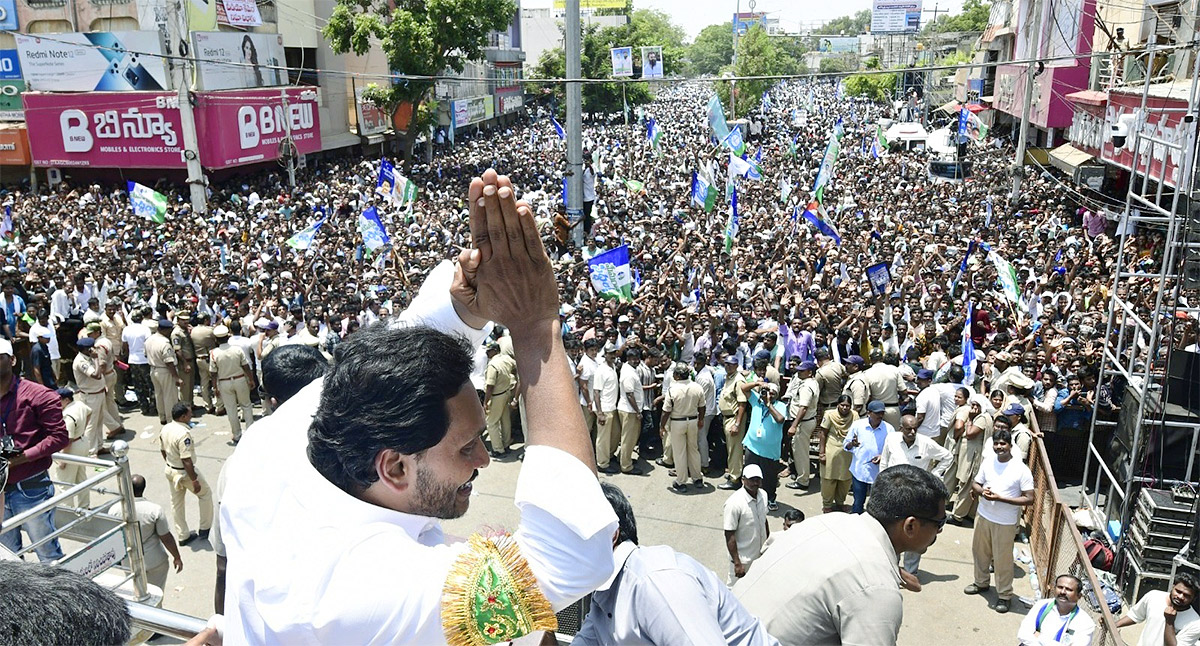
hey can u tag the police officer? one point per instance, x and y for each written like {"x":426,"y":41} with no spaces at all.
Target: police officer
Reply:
{"x":204,"y":341}
{"x":885,"y":384}
{"x":90,"y":380}
{"x":683,"y":417}
{"x":163,"y":372}
{"x":732,"y":403}
{"x":229,"y":369}
{"x":831,"y":379}
{"x":499,"y":380}
{"x":802,"y":407}
{"x":175,"y":444}
{"x":856,"y":388}
{"x":106,"y":354}
{"x":185,"y":356}
{"x":75,"y":418}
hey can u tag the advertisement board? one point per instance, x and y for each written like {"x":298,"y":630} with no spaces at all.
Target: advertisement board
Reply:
{"x":248,"y":126}
{"x":512,"y":102}
{"x":229,"y":60}
{"x":652,"y":63}
{"x":622,"y":61}
{"x":101,"y":60}
{"x":895,"y":16}
{"x":240,"y":13}
{"x":371,"y":120}
{"x":1163,"y":120}
{"x":473,"y":110}
{"x":105,"y":130}
{"x":8,"y":15}
{"x":11,"y":87}
{"x":742,"y":22}
{"x":14,"y":145}
{"x":843,"y":45}
{"x":593,"y":4}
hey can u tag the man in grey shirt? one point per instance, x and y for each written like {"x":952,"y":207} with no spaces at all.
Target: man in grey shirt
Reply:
{"x":661,"y":597}
{"x":833,"y":579}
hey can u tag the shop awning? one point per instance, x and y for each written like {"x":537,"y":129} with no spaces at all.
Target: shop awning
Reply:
{"x":1089,"y":97}
{"x":339,"y":140}
{"x":1068,"y":158}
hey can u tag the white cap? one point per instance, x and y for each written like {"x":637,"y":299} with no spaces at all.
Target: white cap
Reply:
{"x":6,"y":347}
{"x":752,"y":471}
{"x":39,"y":331}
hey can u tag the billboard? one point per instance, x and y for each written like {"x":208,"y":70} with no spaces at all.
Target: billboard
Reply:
{"x":239,"y":13}
{"x":100,"y":60}
{"x":652,"y":63}
{"x":105,"y":130}
{"x":11,"y":87}
{"x":260,"y":123}
{"x":622,"y":61}
{"x":14,"y":145}
{"x":228,"y":60}
{"x":473,"y":110}
{"x":509,"y":102}
{"x":593,"y":4}
{"x":895,"y":16}
{"x":742,"y":22}
{"x":371,"y":120}
{"x":843,"y":45}
{"x":8,"y":15}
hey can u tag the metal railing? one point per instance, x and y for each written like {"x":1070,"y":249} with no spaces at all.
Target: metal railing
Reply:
{"x":1057,"y":547}
{"x":106,"y":540}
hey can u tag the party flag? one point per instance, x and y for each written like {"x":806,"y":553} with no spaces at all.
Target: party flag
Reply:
{"x":146,"y":202}
{"x":610,"y":274}
{"x":1007,"y":276}
{"x":562,"y":134}
{"x":374,"y":235}
{"x":813,"y":214}
{"x":304,"y":238}
{"x":731,"y":230}
{"x":703,"y":193}
{"x":654,"y":134}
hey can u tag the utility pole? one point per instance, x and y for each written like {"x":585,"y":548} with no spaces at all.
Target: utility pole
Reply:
{"x":733,"y":82}
{"x":187,"y":116}
{"x":1019,"y":161}
{"x":291,"y":147}
{"x":574,"y":119}
{"x":935,"y":11}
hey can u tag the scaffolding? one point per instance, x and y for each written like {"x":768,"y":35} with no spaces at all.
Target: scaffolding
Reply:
{"x":1139,"y":337}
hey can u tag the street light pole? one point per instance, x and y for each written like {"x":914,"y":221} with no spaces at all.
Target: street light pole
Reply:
{"x":573,"y":46}
{"x":733,"y":82}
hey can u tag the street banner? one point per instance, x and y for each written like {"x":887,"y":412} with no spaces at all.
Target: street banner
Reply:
{"x":109,"y":130}
{"x":371,"y":119}
{"x":394,"y":186}
{"x":652,"y":63}
{"x":251,"y":126}
{"x":107,"y":61}
{"x":241,"y":13}
{"x":610,"y":274}
{"x":622,"y":61}
{"x":228,"y":60}
{"x":374,"y":235}
{"x":147,"y":203}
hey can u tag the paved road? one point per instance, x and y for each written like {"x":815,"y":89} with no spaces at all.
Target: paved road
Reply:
{"x":690,"y":523}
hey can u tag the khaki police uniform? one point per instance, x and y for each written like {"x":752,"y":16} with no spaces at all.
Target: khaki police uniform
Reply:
{"x":160,"y":354}
{"x":683,"y":404}
{"x":75,"y":417}
{"x":175,"y":441}
{"x":859,"y":392}
{"x":186,"y":351}
{"x":806,"y":395}
{"x":729,"y":401}
{"x":831,"y":379}
{"x":90,"y":380}
{"x":106,"y":354}
{"x":970,"y":457}
{"x":885,"y":384}
{"x":501,"y":375}
{"x":228,"y":366}
{"x":112,"y":328}
{"x":265,"y":346}
{"x":204,"y":342}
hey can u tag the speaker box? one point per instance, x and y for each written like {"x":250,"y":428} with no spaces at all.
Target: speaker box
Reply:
{"x":1183,"y":379}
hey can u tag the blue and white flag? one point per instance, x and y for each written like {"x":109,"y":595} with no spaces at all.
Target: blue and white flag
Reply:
{"x":740,"y":167}
{"x":987,"y":222}
{"x":731,"y":229}
{"x":968,"y":349}
{"x":962,"y":124}
{"x":6,"y":227}
{"x":704,"y":195}
{"x":653,"y":134}
{"x":755,"y":170}
{"x":304,"y":238}
{"x":610,"y":274}
{"x":813,"y":215}
{"x":374,"y":235}
{"x":562,"y":134}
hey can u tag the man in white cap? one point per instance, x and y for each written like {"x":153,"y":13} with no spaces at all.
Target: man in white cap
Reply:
{"x":230,"y":371}
{"x":745,"y":524}
{"x":40,"y":359}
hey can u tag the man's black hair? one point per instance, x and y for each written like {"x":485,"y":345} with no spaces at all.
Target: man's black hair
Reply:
{"x":626,"y":522}
{"x":1189,"y":580}
{"x":387,"y":389}
{"x":905,"y":490}
{"x":180,"y":410}
{"x":47,"y":606}
{"x":288,"y":369}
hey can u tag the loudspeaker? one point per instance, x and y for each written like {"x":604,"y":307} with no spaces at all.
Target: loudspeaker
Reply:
{"x":1191,"y":268}
{"x":1183,"y":379}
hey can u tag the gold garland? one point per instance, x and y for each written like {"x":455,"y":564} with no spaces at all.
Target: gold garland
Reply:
{"x":491,"y":595}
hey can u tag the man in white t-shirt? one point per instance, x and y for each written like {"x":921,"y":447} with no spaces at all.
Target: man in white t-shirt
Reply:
{"x":745,"y":523}
{"x":929,"y":405}
{"x":606,"y":390}
{"x":133,"y":338}
{"x":1167,"y":614}
{"x":1006,"y":485}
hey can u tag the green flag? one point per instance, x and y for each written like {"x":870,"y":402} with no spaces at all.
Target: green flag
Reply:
{"x":147,"y":202}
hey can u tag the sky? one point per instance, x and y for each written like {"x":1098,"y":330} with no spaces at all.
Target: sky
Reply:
{"x":694,"y":15}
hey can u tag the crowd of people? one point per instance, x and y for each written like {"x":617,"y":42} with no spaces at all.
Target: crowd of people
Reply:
{"x":749,"y":356}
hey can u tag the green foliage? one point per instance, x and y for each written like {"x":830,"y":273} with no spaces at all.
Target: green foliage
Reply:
{"x":973,"y":17}
{"x":847,"y":25}
{"x":838,"y":64}
{"x":646,"y":28}
{"x":877,"y":87}
{"x":712,"y":50}
{"x":956,"y":58}
{"x":419,"y":38}
{"x":758,"y":55}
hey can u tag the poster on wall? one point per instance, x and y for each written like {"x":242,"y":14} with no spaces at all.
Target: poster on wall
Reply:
{"x":105,"y":61}
{"x":652,"y":63}
{"x":240,"y":13}
{"x":229,"y":60}
{"x":371,"y":119}
{"x":11,"y":86}
{"x":895,"y":16}
{"x":8,"y":15}
{"x":622,"y":61}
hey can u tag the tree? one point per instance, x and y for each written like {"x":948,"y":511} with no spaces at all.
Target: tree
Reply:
{"x":712,"y":50}
{"x":877,"y":87}
{"x":839,"y":64}
{"x":646,"y":28}
{"x":973,"y":17}
{"x":848,"y":25}
{"x":418,"y":38}
{"x":758,"y":55}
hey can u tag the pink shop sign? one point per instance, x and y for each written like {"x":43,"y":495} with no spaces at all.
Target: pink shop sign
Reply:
{"x":104,"y":129}
{"x":250,"y":126}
